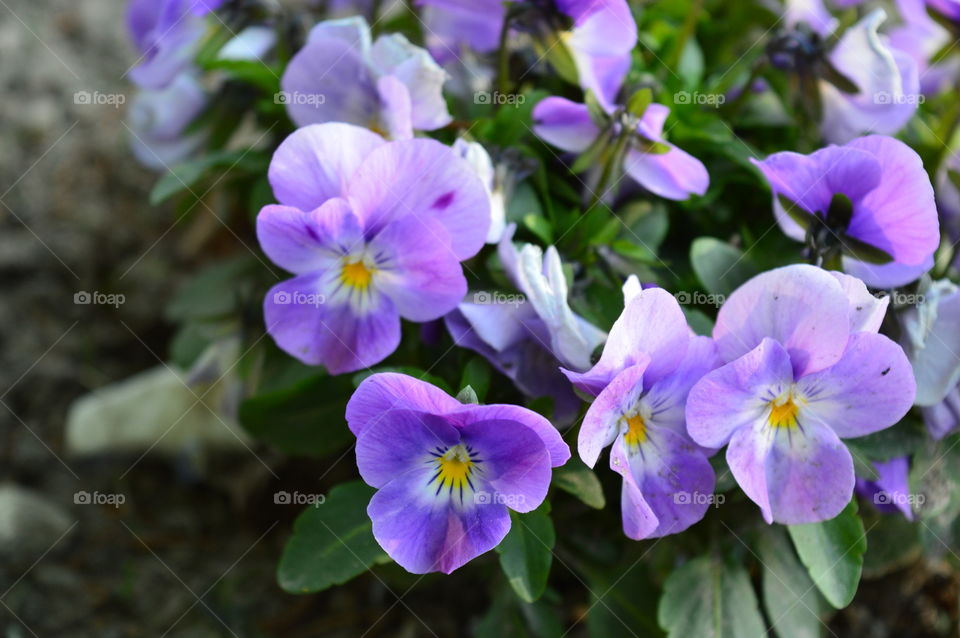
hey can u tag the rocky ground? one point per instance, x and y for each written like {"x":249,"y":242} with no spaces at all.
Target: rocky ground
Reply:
{"x":183,"y":554}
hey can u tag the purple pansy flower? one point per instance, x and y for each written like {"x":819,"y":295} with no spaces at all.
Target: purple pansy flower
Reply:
{"x":921,"y":37}
{"x":374,"y":231}
{"x":167,"y":34}
{"x":890,"y":491}
{"x":648,"y":365}
{"x":871,"y":193}
{"x":446,"y":472}
{"x":389,"y":85}
{"x":658,"y":166}
{"x":805,"y":367}
{"x":527,"y":336}
{"x":947,"y":8}
{"x":159,"y":118}
{"x":600,"y":39}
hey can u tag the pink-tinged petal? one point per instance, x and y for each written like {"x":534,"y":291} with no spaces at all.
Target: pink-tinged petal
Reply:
{"x":639,"y":520}
{"x":565,"y":124}
{"x":426,"y":180}
{"x":425,"y":533}
{"x":869,"y":389}
{"x":314,"y":163}
{"x":672,"y":175}
{"x":396,"y":108}
{"x":796,"y":475}
{"x":866,"y":310}
{"x":385,"y":391}
{"x":604,"y":419}
{"x":737,"y":395}
{"x":673,"y":476}
{"x":398,"y":441}
{"x":667,"y":398}
{"x":652,"y":324}
{"x":464,"y":415}
{"x":802,"y":307}
{"x":306,"y":326}
{"x":900,"y":214}
{"x":328,"y":81}
{"x":513,"y":462}
{"x":417,"y":269}
{"x":302,"y":242}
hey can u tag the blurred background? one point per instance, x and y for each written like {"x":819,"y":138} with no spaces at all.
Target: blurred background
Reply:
{"x":163,"y":538}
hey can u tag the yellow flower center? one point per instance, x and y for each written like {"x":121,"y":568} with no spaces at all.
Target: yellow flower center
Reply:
{"x":356,"y":274}
{"x":454,"y":468}
{"x":636,"y":431}
{"x":783,"y":414}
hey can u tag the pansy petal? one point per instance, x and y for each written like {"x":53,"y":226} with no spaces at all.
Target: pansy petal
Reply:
{"x":652,"y":324}
{"x":869,"y":389}
{"x":672,"y":175}
{"x":385,"y":391}
{"x":802,"y":307}
{"x":866,"y":310}
{"x":424,"y":533}
{"x":900,"y":214}
{"x":795,"y":474}
{"x":302,"y":242}
{"x":417,"y":269}
{"x":314,"y":163}
{"x":892,"y":275}
{"x":328,"y":81}
{"x":426,"y":180}
{"x":604,"y":418}
{"x":639,"y":521}
{"x":396,"y":108}
{"x":514,"y":462}
{"x":306,"y":326}
{"x":423,"y":78}
{"x":400,"y":441}
{"x":464,"y":416}
{"x":891,"y":490}
{"x":667,"y":397}
{"x":736,"y":395}
{"x":675,"y":478}
{"x":565,"y":124}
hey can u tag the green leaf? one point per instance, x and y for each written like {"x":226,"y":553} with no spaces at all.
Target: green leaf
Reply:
{"x":306,"y":418}
{"x":623,"y":601}
{"x":639,"y":101}
{"x":332,"y":542}
{"x":793,"y":604}
{"x":526,"y":553}
{"x":720,"y":266}
{"x":253,"y":72}
{"x":865,"y":252}
{"x":539,"y":226}
{"x":578,"y":479}
{"x":186,"y":175}
{"x":214,"y":291}
{"x":832,"y":552}
{"x":710,"y":597}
